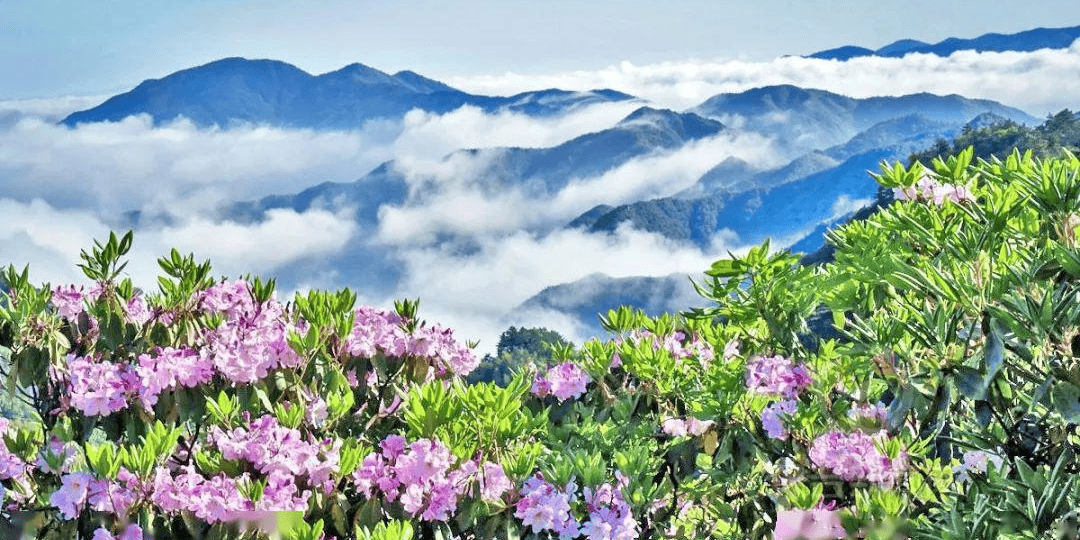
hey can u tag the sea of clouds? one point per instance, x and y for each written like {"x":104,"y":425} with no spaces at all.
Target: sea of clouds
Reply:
{"x":62,"y":187}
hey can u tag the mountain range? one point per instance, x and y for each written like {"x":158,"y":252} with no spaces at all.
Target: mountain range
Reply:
{"x":1028,"y":40}
{"x":270,"y":92}
{"x":830,"y":142}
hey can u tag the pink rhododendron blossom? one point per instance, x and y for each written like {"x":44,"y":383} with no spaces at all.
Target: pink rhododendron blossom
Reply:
{"x":543,"y":507}
{"x":270,"y":447}
{"x":930,"y":190}
{"x":854,"y":456}
{"x":776,"y":376}
{"x":772,"y":421}
{"x":679,"y":345}
{"x":493,"y":482}
{"x":677,"y":427}
{"x":674,"y":427}
{"x":109,"y":496}
{"x":564,"y":381}
{"x":814,"y":524}
{"x":137,"y":311}
{"x":379,"y":332}
{"x":100,"y":388}
{"x":976,"y":461}
{"x":71,"y":497}
{"x":425,"y":479}
{"x":731,"y":350}
{"x":251,"y":341}
{"x":877,"y":413}
{"x":210,"y":499}
{"x":11,"y":465}
{"x":68,"y":301}
{"x":171,"y":369}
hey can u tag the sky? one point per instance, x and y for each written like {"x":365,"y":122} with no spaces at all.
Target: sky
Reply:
{"x":62,"y":187}
{"x":51,"y":48}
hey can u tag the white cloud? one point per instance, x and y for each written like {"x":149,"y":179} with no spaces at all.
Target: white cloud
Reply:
{"x":428,"y":135}
{"x":475,"y":291}
{"x":845,"y":205}
{"x":451,"y":196}
{"x":52,"y":109}
{"x":50,"y":239}
{"x":1024,"y":80}
{"x":176,"y":168}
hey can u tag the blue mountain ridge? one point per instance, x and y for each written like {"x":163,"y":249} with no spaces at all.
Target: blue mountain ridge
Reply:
{"x":802,"y":119}
{"x":269,"y":92}
{"x":1028,"y":40}
{"x":540,"y":171}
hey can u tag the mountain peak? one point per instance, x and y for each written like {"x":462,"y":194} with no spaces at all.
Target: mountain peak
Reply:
{"x":357,"y":73}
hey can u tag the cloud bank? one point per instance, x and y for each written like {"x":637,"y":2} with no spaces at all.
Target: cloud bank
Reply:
{"x":1018,"y":79}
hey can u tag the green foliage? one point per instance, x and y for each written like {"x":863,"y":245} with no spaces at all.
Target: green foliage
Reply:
{"x":1061,"y":130}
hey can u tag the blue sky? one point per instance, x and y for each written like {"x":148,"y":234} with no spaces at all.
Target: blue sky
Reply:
{"x":59,"y":47}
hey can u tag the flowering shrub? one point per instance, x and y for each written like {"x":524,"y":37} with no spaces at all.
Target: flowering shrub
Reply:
{"x":208,"y":409}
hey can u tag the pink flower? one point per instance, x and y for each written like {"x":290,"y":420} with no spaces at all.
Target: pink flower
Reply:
{"x":68,"y":301}
{"x":674,"y":427}
{"x":71,"y":497}
{"x":772,"y":421}
{"x":100,"y":388}
{"x":564,"y":381}
{"x":776,"y":375}
{"x":815,"y":524}
{"x":171,"y":369}
{"x":854,"y":456}
{"x":493,"y":483}
{"x":731,"y":350}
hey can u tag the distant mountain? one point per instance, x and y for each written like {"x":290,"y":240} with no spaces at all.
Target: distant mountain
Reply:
{"x":237,"y":90}
{"x":804,"y":119}
{"x":538,"y":171}
{"x":1029,"y":40}
{"x":597,"y":293}
{"x":783,"y":202}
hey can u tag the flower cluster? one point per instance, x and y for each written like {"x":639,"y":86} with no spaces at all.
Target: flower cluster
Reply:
{"x":210,"y":499}
{"x":380,"y":332}
{"x":545,"y":507}
{"x":564,"y":381}
{"x":928,"y":189}
{"x":771,"y":418}
{"x":100,"y":388}
{"x":609,"y":513}
{"x":79,"y":489}
{"x":677,"y":427}
{"x":438,"y":344}
{"x":11,"y":465}
{"x":273,"y":448}
{"x":776,"y":376}
{"x":252,"y":339}
{"x":69,"y":302}
{"x":170,"y":369}
{"x":422,"y":478}
{"x":976,"y":461}
{"x":678,"y":344}
{"x":819,"y":523}
{"x":854,"y":456}
{"x":876,"y":413}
